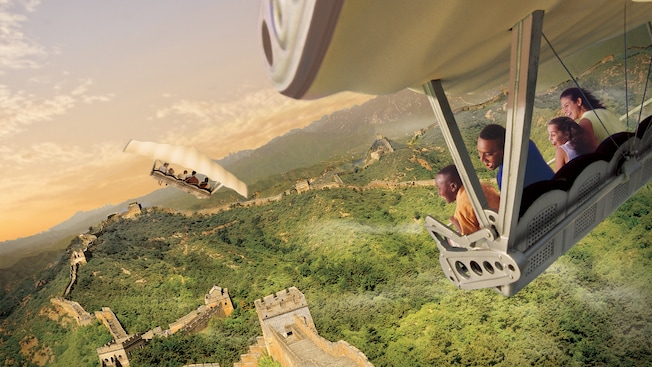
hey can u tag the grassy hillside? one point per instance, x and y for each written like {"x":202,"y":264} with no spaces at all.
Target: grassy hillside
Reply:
{"x":369,"y":271}
{"x":371,"y":276}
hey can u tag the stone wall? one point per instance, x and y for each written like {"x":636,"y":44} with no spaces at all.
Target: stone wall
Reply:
{"x":340,"y":348}
{"x":117,"y":354}
{"x":201,"y":321}
{"x":133,"y":210}
{"x":86,"y":240}
{"x":218,"y":296}
{"x":111,"y":322}
{"x":276,"y":310}
{"x":73,"y":279}
{"x":181,"y":322}
{"x":291,"y":338}
{"x":112,"y":355}
{"x":77,"y":257}
{"x":256,"y":351}
{"x":281,"y":351}
{"x":217,"y":302}
{"x":302,"y":186}
{"x":73,"y":309}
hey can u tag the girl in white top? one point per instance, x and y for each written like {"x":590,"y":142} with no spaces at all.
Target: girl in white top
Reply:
{"x":598,"y":122}
{"x":569,"y":140}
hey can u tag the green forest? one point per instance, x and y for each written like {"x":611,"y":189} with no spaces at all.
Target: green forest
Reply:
{"x":371,"y":277}
{"x":369,"y":271}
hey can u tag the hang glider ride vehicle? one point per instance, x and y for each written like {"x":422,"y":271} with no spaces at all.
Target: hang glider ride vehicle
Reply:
{"x":193,"y":160}
{"x":317,"y":48}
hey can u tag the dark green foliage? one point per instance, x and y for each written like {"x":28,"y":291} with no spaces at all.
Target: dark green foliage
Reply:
{"x":370,"y":273}
{"x":224,"y":343}
{"x":371,"y":276}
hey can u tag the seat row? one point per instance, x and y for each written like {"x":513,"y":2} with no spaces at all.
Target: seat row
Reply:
{"x":612,"y":150}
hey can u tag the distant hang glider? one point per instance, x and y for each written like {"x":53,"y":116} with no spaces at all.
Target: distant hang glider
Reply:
{"x":191,"y":159}
{"x":321,"y":47}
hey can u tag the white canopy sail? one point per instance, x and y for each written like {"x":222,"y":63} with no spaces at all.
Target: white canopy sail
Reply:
{"x":188,"y":157}
{"x":317,"y":48}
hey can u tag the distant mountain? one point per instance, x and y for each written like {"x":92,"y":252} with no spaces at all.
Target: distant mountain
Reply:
{"x":13,"y":250}
{"x":346,"y":132}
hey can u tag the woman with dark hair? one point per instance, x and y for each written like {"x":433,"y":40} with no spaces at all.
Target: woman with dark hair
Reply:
{"x":598,"y":122}
{"x":569,"y":140}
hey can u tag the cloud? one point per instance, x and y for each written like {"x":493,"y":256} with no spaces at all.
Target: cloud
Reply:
{"x":58,"y":194}
{"x":43,"y":152}
{"x":59,"y":157}
{"x":222,"y":128}
{"x":17,"y":51}
{"x":81,"y":92}
{"x":20,"y":109}
{"x":73,"y":178}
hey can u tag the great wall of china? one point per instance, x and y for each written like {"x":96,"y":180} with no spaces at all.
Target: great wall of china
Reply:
{"x":289,"y":333}
{"x":379,"y":148}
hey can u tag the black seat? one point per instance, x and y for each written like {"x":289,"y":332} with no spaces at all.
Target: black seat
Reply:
{"x":534,"y":191}
{"x":569,"y":172}
{"x":643,"y":126}
{"x":610,"y":145}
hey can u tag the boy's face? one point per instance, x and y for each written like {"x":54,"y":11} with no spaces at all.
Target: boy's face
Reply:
{"x":445,"y":188}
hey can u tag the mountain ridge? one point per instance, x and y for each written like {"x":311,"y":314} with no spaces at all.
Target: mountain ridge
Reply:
{"x":367,"y":267}
{"x":351,"y":131}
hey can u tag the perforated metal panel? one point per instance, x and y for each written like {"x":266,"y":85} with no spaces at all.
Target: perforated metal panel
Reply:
{"x":540,"y":258}
{"x":621,"y":193}
{"x":588,"y":186}
{"x":647,"y":173}
{"x":585,"y":221}
{"x":542,"y":223}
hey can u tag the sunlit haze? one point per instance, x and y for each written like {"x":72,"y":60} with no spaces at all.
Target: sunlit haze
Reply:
{"x":79,"y":79}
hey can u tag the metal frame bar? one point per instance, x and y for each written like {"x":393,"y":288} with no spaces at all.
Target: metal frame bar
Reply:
{"x":524,"y":66}
{"x":468,"y":266}
{"x":461,"y":158}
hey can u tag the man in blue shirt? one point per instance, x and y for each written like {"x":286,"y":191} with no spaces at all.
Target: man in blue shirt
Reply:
{"x":491,"y":149}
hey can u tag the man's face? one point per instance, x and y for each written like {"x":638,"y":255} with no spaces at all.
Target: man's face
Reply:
{"x":490,"y":153}
{"x":446,"y":189}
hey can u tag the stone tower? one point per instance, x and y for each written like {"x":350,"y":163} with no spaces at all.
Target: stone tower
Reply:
{"x":290,"y":336}
{"x":276,"y":311}
{"x":133,"y":210}
{"x":218,"y":296}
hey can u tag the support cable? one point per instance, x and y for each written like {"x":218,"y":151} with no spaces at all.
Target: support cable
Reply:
{"x":640,"y":110}
{"x":625,"y":62}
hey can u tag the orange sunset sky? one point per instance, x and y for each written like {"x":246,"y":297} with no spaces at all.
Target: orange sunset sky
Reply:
{"x":79,"y":79}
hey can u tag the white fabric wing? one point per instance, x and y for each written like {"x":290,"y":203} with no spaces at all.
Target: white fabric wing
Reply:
{"x":187,"y":157}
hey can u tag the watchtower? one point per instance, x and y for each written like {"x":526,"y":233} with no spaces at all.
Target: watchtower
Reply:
{"x":219,"y":296}
{"x":276,"y":311}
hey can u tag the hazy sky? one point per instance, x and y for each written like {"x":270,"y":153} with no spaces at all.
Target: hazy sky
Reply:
{"x":78,"y":79}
